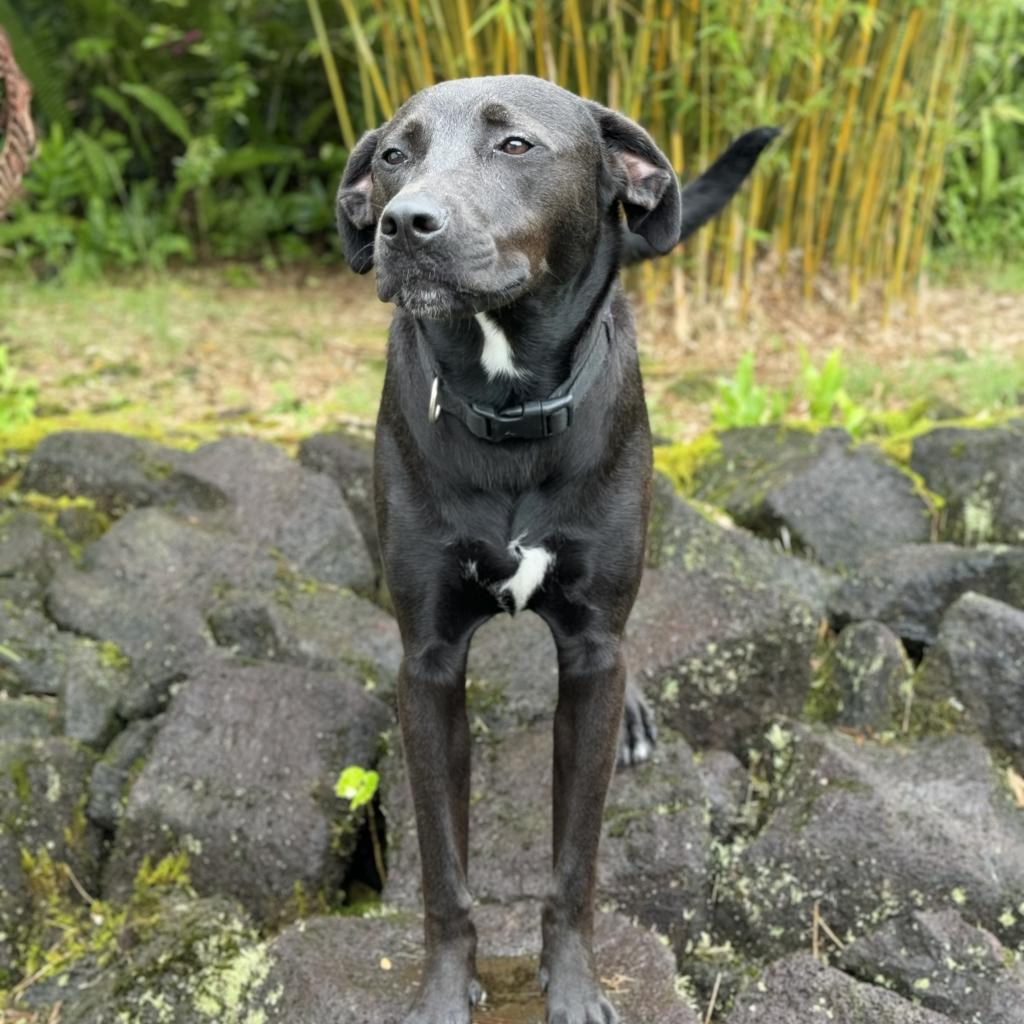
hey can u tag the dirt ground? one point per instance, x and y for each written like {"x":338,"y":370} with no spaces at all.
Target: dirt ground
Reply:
{"x":225,"y":349}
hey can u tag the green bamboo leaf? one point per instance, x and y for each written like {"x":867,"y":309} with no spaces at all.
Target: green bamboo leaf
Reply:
{"x":161,"y":107}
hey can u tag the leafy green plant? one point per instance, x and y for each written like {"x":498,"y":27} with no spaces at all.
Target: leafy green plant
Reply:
{"x":743,"y":403}
{"x":821,"y":398}
{"x":359,"y":786}
{"x":17,"y":396}
{"x":826,"y":397}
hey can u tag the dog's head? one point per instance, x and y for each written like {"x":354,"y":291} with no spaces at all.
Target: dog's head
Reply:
{"x":477,"y":188}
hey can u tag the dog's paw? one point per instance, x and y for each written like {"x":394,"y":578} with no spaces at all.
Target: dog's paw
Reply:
{"x":576,"y":998}
{"x":639,"y":733}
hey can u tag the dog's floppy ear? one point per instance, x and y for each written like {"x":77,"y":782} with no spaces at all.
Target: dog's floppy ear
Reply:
{"x":357,"y":219}
{"x":644,"y":181}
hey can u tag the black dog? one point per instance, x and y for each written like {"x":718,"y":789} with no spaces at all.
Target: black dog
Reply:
{"x":513,"y":455}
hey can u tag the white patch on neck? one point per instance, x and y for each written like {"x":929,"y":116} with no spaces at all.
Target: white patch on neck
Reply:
{"x":497,"y":352}
{"x":534,"y":564}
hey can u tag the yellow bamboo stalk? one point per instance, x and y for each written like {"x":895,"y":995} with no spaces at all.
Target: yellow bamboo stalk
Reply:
{"x":842,"y":146}
{"x":810,"y":189}
{"x":579,"y":43}
{"x":442,"y":33}
{"x":909,"y":204}
{"x":367,"y":58}
{"x":424,"y":54}
{"x":468,"y":41}
{"x":348,"y":133}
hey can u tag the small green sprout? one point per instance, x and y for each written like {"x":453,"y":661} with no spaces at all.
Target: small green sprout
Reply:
{"x":359,"y":786}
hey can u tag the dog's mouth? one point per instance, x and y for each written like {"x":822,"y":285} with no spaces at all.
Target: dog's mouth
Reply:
{"x":436,"y":300}
{"x":434,"y":294}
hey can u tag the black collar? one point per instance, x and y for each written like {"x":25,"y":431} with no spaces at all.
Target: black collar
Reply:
{"x":536,"y":418}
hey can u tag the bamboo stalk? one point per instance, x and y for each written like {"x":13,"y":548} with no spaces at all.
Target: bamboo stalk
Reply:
{"x":348,"y":133}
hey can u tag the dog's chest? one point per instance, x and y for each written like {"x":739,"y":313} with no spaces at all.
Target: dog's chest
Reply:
{"x":512,"y":576}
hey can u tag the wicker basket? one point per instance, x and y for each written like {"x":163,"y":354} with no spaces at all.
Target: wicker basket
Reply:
{"x":17,"y":133}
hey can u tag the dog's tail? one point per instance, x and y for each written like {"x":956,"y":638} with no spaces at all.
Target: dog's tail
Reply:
{"x":705,"y":196}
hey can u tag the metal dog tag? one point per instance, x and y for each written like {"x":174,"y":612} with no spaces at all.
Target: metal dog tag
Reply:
{"x":434,"y":406}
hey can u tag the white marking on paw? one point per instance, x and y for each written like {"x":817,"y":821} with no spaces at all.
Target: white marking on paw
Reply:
{"x":497,"y":352}
{"x":533,"y":567}
{"x":641,"y":751}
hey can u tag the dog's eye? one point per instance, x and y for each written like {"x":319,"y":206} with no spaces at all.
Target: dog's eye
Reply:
{"x":515,"y":146}
{"x":393,"y":157}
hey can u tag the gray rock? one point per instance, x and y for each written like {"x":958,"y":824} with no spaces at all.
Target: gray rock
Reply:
{"x":719,"y":657}
{"x":348,"y":461}
{"x":979,"y":657}
{"x":801,"y":989}
{"x":655,"y":851}
{"x":681,"y":536}
{"x":512,"y":673}
{"x":89,"y":678}
{"x":909,"y":588}
{"x":980,"y":473}
{"x":81,"y":524}
{"x":43,"y":788}
{"x":273,"y":502}
{"x":319,"y":626}
{"x":117,"y":472}
{"x":30,"y":552}
{"x":869,"y":671}
{"x":123,"y":759}
{"x":868,"y":832}
{"x":941,"y":961}
{"x":28,"y":718}
{"x":834,"y":501}
{"x":727,"y":786}
{"x":145,"y":586}
{"x":241,"y":775}
{"x":175,"y":959}
{"x":364,"y":970}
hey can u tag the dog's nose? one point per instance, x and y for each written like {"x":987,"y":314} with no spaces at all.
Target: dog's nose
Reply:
{"x":413,"y":219}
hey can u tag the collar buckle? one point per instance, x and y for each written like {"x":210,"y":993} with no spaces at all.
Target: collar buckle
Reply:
{"x":530,"y":421}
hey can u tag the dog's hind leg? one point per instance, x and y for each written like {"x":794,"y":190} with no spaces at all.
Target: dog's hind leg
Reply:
{"x":591,"y":687}
{"x":639,"y":732}
{"x":435,"y":737}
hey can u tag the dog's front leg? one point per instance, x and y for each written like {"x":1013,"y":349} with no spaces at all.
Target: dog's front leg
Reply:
{"x":435,"y":736}
{"x":591,"y":683}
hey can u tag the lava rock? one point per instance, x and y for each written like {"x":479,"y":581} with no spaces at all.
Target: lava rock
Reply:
{"x":948,"y":965}
{"x":273,"y":502}
{"x":979,"y":657}
{"x":144,"y":586}
{"x":365,"y":970}
{"x":177,"y":959}
{"x":909,"y":588}
{"x":655,"y":851}
{"x":348,"y":461}
{"x":43,"y":787}
{"x":318,"y":626}
{"x":980,"y":473}
{"x":116,"y":471}
{"x":512,"y":673}
{"x":832,"y":500}
{"x":869,"y":672}
{"x":681,"y":536}
{"x":241,"y":775}
{"x":720,"y":658}
{"x":30,"y":553}
{"x":727,"y":786}
{"x":27,"y":718}
{"x":866,"y":832}
{"x":108,"y":788}
{"x":799,"y":988}
{"x":89,"y":678}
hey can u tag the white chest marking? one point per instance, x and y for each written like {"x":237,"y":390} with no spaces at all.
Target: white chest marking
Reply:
{"x":533,"y":567}
{"x":497,"y":352}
